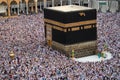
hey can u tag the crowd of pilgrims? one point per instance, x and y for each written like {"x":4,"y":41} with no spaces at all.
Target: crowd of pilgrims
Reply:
{"x":34,"y":60}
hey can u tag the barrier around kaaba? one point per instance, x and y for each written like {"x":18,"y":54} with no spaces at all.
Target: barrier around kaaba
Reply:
{"x":71,"y":27}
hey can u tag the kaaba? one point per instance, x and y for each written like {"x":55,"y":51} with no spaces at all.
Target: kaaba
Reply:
{"x":71,"y":27}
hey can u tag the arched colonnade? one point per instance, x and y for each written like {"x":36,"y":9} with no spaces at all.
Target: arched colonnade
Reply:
{"x":16,"y":7}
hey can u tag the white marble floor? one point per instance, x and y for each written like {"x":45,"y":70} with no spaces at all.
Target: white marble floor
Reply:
{"x":94,"y":58}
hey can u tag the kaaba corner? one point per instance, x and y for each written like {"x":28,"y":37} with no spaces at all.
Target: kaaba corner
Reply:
{"x":71,"y":27}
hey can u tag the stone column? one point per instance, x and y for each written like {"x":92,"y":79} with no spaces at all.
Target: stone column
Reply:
{"x":9,"y":8}
{"x":99,"y":8}
{"x":45,"y":3}
{"x":26,"y":7}
{"x":18,"y":10}
{"x":61,"y":3}
{"x":36,"y":9}
{"x":53,"y":3}
{"x":32,"y":8}
{"x":20,"y":5}
{"x":79,"y":2}
{"x":70,"y":2}
{"x":40,"y":7}
{"x":89,"y":3}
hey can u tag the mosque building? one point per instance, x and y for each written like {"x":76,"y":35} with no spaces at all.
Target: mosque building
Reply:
{"x":17,"y":7}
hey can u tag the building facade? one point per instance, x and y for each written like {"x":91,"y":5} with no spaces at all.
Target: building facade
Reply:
{"x":17,"y":7}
